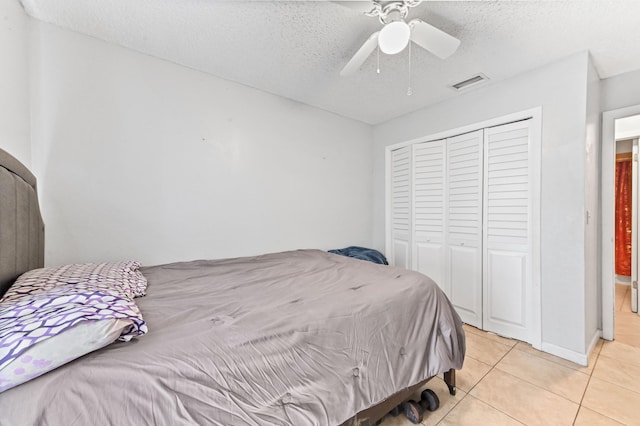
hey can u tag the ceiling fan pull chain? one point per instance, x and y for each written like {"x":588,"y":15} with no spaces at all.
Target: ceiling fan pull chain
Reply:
{"x":378,"y":69}
{"x":409,"y":91}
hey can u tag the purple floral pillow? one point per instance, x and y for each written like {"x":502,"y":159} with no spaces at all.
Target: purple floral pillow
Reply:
{"x":46,"y":305}
{"x":49,"y":354}
{"x":123,"y":276}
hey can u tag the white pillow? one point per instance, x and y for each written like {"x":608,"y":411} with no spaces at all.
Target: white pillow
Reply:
{"x":82,"y":338}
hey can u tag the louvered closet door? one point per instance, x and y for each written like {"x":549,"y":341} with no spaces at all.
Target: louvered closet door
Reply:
{"x":428,"y":251}
{"x":400,"y":206}
{"x":507,"y":223}
{"x":464,"y":225}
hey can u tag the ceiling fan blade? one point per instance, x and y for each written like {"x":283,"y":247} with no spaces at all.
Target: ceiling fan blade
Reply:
{"x":433,"y":39}
{"x":361,"y":55}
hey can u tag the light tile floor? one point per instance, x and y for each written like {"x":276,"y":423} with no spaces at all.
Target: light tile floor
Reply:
{"x":507,"y":382}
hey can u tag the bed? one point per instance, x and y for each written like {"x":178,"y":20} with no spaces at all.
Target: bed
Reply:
{"x":303,"y":337}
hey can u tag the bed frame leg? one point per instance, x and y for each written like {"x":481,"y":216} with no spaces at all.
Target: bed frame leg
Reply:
{"x":450,"y":380}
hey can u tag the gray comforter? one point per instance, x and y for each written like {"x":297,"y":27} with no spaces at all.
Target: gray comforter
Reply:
{"x":295,"y":338}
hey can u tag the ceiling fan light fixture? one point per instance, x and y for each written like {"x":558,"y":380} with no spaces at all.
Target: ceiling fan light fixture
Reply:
{"x":394,"y":37}
{"x":396,"y":34}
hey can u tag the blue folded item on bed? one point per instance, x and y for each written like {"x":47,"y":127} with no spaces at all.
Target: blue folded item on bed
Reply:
{"x":362,"y":253}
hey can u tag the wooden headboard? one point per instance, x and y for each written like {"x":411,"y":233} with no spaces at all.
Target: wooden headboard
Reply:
{"x":21,"y":226}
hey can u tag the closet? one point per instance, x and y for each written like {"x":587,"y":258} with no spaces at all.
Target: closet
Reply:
{"x":460,"y":211}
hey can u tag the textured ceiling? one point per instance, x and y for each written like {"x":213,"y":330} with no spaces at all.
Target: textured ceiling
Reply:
{"x":296,"y":49}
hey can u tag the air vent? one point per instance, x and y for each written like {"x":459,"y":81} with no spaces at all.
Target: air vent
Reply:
{"x":473,"y":81}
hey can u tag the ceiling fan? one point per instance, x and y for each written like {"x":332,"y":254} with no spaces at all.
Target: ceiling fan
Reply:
{"x":396,"y":34}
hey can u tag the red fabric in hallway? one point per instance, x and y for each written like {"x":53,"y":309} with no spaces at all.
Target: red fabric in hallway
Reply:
{"x":623,"y":217}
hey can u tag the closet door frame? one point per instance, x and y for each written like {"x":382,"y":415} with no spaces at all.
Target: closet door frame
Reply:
{"x":535,"y":114}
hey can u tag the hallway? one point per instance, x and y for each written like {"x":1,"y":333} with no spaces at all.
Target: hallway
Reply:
{"x":627,"y":329}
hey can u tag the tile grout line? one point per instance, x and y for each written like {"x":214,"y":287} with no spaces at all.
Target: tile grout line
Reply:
{"x":451,"y":409}
{"x":544,"y":389}
{"x":558,"y":364}
{"x":560,"y":361}
{"x":535,"y":385}
{"x":485,"y":375}
{"x":472,"y":387}
{"x":510,"y":347}
{"x":492,"y":366}
{"x":595,"y":363}
{"x":448,"y":412}
{"x":589,"y":374}
{"x":561,"y":364}
{"x":607,"y":380}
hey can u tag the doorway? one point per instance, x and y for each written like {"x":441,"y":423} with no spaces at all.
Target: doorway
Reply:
{"x":620,"y":230}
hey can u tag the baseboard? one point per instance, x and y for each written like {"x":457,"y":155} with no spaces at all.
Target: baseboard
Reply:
{"x":570,"y":355}
{"x":565,"y":353}
{"x":594,"y":341}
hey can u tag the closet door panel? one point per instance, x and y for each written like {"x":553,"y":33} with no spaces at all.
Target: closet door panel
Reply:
{"x":400,"y":209}
{"x":428,"y":222}
{"x":464,"y":183}
{"x":506,"y":294}
{"x":431,"y":262}
{"x":401,"y":253}
{"x":507,"y":230}
{"x":465,"y":278}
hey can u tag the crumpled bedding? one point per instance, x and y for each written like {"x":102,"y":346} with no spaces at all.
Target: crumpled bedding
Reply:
{"x":295,"y":338}
{"x":362,"y":253}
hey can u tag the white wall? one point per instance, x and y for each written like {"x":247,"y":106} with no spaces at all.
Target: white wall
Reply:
{"x":141,"y":158}
{"x":620,"y":91}
{"x":560,"y":89}
{"x":14,"y":81}
{"x":593,"y":227}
